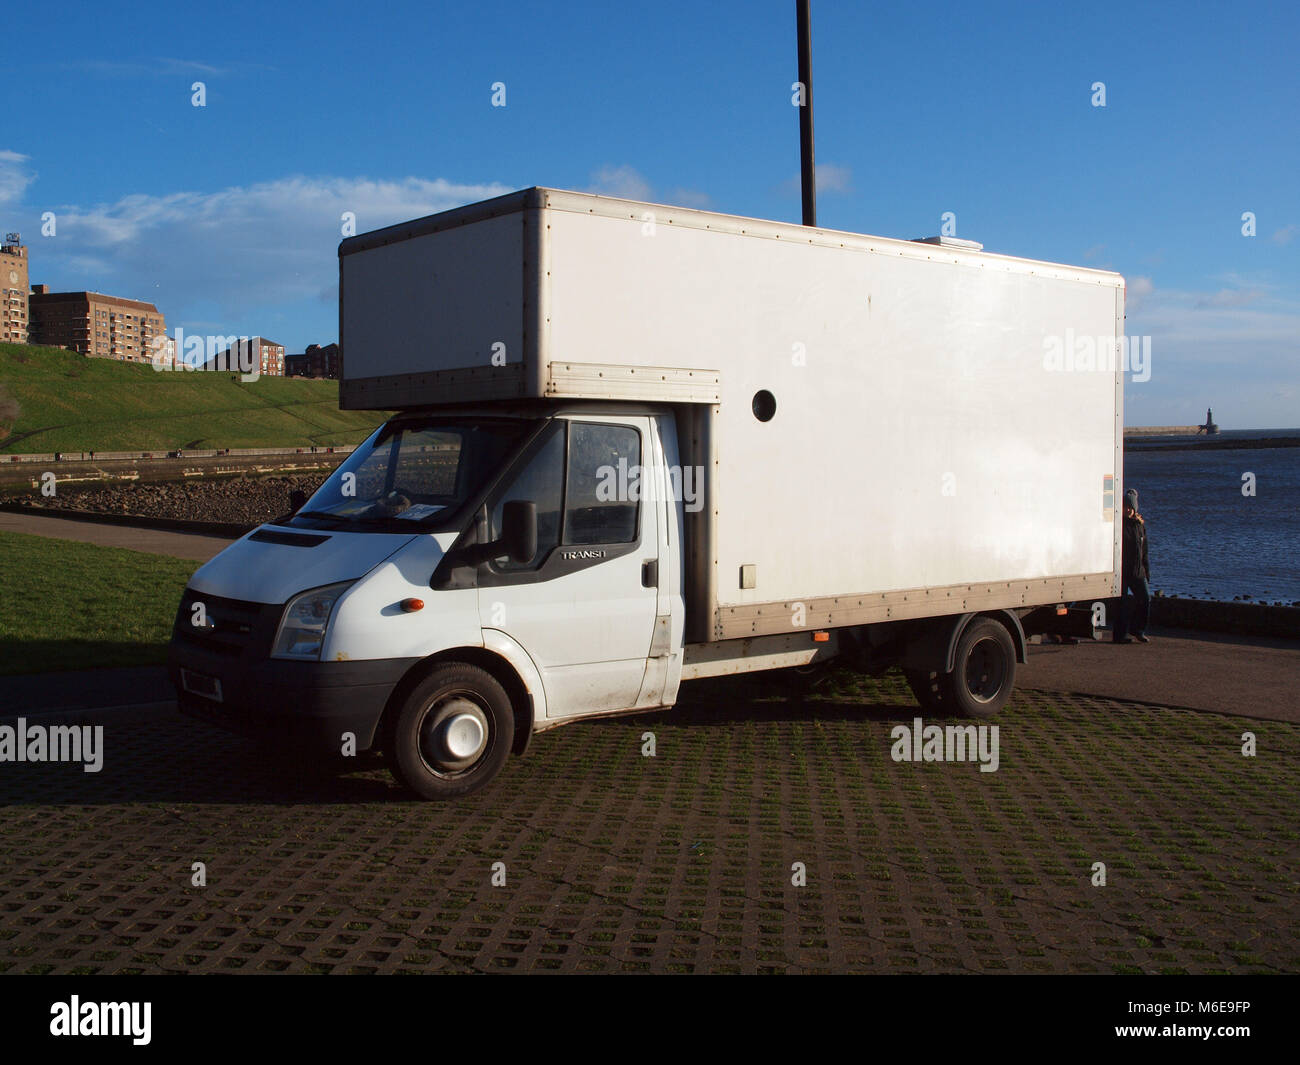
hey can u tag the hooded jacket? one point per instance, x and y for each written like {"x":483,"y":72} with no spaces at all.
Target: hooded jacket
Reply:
{"x":1134,"y":559}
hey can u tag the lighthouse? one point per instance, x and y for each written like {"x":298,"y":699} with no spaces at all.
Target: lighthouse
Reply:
{"x":1209,"y":428}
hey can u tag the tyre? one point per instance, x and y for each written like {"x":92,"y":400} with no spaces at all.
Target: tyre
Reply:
{"x":930,"y":688}
{"x":452,"y":734}
{"x":984,"y":670}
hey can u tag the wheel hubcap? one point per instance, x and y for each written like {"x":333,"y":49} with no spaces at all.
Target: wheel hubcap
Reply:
{"x":463,"y":736}
{"x":985,"y":671}
{"x":454,"y":734}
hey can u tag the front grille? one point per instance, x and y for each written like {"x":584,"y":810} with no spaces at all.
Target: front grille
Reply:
{"x":232,"y":627}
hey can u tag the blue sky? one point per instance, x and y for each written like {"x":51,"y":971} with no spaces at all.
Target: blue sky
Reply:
{"x":227,"y":216}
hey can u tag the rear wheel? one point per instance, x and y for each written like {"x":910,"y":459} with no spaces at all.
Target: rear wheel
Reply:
{"x":984,"y":669}
{"x":452,"y":734}
{"x":929,"y":688}
{"x":983,"y":675}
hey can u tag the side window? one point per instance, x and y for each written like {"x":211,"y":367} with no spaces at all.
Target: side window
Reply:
{"x":541,"y":481}
{"x":604,"y":484}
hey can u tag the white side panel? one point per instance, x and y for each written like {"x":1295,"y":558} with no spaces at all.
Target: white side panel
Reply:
{"x":370,"y":623}
{"x":663,"y":667}
{"x":435,"y":302}
{"x":918,"y":440}
{"x":524,"y":667}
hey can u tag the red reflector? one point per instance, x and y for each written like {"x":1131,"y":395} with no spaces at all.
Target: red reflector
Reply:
{"x":412,"y":604}
{"x":1062,"y":610}
{"x":821,"y":637}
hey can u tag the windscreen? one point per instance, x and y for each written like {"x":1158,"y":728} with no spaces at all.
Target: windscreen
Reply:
{"x":411,"y":472}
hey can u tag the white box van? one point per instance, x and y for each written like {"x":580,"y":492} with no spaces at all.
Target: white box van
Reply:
{"x":637,"y":445}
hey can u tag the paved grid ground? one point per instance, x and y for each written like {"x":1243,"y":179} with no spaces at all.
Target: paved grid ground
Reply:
{"x":617,"y":862}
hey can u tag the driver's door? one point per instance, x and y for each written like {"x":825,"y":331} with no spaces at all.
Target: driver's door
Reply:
{"x":581,"y":607}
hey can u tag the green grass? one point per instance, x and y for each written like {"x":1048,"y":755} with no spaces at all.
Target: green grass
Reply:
{"x":68,"y":402}
{"x":69,"y":605}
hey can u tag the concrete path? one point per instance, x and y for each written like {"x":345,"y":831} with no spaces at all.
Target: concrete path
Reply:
{"x":1238,"y":675}
{"x":153,"y":541}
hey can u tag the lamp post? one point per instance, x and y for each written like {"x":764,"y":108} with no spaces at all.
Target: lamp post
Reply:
{"x":807,"y":171}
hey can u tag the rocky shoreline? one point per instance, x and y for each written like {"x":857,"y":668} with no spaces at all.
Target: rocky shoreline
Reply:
{"x":229,"y":500}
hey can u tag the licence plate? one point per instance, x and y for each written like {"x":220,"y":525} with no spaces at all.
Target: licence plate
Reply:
{"x":198,"y":684}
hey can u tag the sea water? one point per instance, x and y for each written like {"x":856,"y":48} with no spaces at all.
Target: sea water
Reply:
{"x":1209,"y":538}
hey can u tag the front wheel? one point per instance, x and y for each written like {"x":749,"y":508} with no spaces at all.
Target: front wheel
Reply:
{"x":453,"y":733}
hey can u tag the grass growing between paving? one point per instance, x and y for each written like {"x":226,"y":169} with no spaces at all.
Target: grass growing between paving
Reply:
{"x":69,"y":605}
{"x":57,"y":400}
{"x":682,"y":861}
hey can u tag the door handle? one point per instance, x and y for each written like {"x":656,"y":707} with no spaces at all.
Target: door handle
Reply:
{"x":650,"y":573}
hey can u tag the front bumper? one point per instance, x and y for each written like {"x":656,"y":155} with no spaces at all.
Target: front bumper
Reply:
{"x":308,"y":703}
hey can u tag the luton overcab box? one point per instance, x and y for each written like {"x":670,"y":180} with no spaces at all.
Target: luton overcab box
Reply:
{"x":679,"y":444}
{"x":920,"y":458}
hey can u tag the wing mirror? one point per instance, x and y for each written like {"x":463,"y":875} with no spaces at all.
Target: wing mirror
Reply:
{"x":518,"y":539}
{"x":518,"y":531}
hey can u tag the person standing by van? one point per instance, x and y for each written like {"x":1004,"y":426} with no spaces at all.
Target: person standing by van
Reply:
{"x":1135,"y":573}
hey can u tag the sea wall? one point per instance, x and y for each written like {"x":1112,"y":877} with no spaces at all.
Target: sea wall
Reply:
{"x":1239,"y":619}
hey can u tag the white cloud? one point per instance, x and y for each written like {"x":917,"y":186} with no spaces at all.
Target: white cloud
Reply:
{"x":1236,"y":350}
{"x":15,"y":176}
{"x":1286,"y":234}
{"x":1250,"y":319}
{"x":628,"y":183}
{"x":701,"y":201}
{"x":621,"y":181}
{"x":1230,"y":297}
{"x":237,"y":253}
{"x":158,"y":66}
{"x":241,"y":259}
{"x":831,"y":178}
{"x":1137,"y":291}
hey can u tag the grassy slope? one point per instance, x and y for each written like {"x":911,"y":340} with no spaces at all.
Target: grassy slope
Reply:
{"x":71,"y":605}
{"x":68,"y":402}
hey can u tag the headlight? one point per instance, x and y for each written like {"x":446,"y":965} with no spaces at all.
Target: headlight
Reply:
{"x":302,"y":629}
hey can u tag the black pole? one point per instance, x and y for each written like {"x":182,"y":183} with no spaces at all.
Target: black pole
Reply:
{"x":806,"y":168}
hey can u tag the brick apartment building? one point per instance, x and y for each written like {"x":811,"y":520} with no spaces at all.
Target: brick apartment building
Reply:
{"x":106,"y":327}
{"x":316,"y":361}
{"x":13,"y":290}
{"x":268,"y":356}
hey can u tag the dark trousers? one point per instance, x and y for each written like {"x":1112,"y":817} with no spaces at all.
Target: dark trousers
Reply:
{"x":1133,"y":608}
